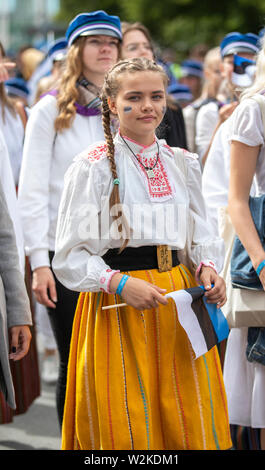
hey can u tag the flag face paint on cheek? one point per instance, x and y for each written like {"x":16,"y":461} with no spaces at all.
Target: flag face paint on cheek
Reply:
{"x":127,"y":109}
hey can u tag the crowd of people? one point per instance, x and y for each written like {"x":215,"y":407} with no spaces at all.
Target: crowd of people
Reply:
{"x":97,"y":128}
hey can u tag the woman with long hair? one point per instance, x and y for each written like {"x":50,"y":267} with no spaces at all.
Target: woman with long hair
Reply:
{"x":133,"y":381}
{"x":244,"y":372}
{"x":62,"y":124}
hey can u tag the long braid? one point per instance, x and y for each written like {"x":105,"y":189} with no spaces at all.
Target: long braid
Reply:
{"x":115,"y":195}
{"x":108,"y":136}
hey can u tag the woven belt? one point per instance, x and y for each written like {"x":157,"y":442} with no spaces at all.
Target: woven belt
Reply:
{"x":144,"y":257}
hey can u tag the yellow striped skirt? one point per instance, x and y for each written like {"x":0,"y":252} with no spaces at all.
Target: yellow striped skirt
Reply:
{"x":133,"y":382}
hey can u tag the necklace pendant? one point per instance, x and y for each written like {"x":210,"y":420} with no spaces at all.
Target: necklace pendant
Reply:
{"x":150,"y":173}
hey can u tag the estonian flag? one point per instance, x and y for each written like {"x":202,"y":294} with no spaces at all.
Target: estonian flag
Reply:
{"x":204,"y":323}
{"x":244,"y":71}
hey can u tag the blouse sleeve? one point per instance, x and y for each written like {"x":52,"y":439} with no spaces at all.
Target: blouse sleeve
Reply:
{"x":34,"y":182}
{"x":76,"y":263}
{"x":247,"y":126}
{"x":204,"y":246}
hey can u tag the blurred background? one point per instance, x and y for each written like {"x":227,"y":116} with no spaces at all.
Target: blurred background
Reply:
{"x":178,"y":25}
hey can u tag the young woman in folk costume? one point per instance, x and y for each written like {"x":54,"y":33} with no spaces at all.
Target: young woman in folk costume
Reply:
{"x":133,"y":382}
{"x":60,"y":126}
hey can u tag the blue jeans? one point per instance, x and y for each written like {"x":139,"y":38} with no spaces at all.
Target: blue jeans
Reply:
{"x":256,"y":345}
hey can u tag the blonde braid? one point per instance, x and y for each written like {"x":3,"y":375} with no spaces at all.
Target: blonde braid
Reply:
{"x":115,"y":195}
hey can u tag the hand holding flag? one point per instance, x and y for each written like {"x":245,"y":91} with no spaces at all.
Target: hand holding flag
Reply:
{"x":214,"y":285}
{"x":203,"y":322}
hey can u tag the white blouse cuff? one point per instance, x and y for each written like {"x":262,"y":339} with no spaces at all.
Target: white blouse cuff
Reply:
{"x":39,"y":258}
{"x":105,"y":278}
{"x":205,"y":262}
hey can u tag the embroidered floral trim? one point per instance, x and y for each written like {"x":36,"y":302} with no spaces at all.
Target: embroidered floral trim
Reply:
{"x":105,"y":278}
{"x":96,"y":153}
{"x":205,"y":262}
{"x":169,"y":149}
{"x":158,"y":186}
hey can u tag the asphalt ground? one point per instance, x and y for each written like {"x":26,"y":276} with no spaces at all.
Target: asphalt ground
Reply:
{"x":38,"y":428}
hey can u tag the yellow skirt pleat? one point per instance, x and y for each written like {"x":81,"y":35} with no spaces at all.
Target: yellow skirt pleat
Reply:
{"x":133,"y":382}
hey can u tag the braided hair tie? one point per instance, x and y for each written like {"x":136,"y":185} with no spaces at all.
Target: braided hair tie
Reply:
{"x":116,"y":181}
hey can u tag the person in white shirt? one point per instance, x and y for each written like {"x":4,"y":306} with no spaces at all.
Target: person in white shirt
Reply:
{"x":236,"y":160}
{"x":215,"y":146}
{"x":133,"y":382}
{"x":9,"y":189}
{"x":244,"y":371}
{"x":61,"y":125}
{"x":212,"y":115}
{"x":212,"y":81}
{"x":10,"y":121}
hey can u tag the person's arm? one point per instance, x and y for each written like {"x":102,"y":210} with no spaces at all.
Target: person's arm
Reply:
{"x":33,"y":197}
{"x":17,"y":302}
{"x":243,"y":165}
{"x":19,"y":340}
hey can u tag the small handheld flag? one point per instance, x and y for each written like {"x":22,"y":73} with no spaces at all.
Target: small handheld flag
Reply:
{"x":204,"y":323}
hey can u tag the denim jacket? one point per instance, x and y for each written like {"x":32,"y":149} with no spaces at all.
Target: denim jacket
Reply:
{"x":256,"y":345}
{"x":242,"y":272}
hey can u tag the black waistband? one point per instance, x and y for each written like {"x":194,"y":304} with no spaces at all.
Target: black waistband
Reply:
{"x":135,"y":259}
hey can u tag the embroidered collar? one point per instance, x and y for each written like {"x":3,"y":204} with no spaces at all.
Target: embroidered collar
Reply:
{"x":146,"y":150}
{"x":159,"y":187}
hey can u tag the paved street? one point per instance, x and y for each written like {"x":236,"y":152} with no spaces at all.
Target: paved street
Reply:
{"x":37,"y":429}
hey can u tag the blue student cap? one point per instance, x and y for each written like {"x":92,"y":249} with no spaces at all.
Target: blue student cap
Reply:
{"x":192,"y":68}
{"x":17,"y":86}
{"x":180,"y":92}
{"x":57,"y":49}
{"x":97,"y":22}
{"x":234,"y":43}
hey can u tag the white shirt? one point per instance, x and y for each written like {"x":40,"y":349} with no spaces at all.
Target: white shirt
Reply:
{"x":215,"y":176}
{"x":8,"y":185}
{"x":206,"y":122}
{"x":247,"y":127}
{"x":46,"y":157}
{"x":13,"y":131}
{"x":156,"y":210}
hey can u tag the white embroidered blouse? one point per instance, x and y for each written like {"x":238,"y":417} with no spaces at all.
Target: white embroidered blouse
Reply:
{"x":155,"y":208}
